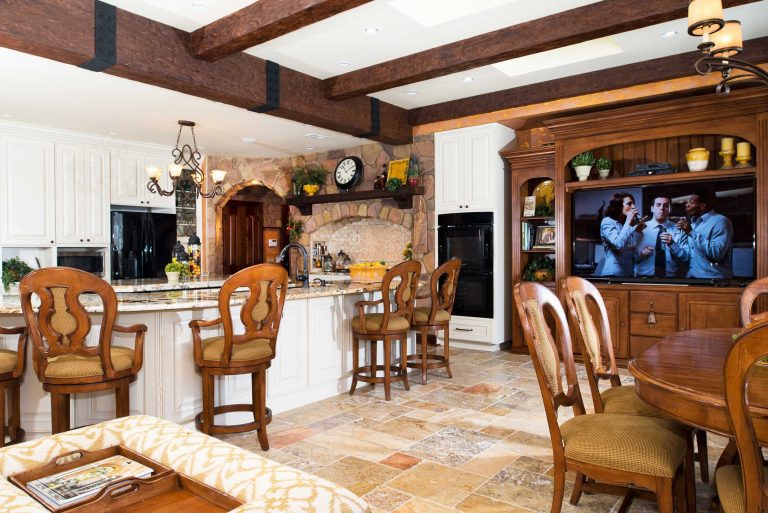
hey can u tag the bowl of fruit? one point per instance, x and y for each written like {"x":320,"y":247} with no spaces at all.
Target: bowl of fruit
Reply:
{"x":368,"y":271}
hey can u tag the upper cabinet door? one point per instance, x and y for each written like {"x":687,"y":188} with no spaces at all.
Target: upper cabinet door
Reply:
{"x":95,"y":196}
{"x":26,"y":191}
{"x":82,"y":195}
{"x":127,"y":178}
{"x":449,"y":180}
{"x":69,"y":209}
{"x":480,"y":181}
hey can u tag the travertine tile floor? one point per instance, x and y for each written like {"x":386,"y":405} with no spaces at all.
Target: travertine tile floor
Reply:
{"x":477,"y":443}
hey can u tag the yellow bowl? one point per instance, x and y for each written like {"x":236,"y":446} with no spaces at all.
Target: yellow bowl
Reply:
{"x":367,"y":271}
{"x":311,"y":189}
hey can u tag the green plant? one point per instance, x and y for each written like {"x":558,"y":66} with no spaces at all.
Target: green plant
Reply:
{"x":604,"y":163}
{"x":539,"y":263}
{"x":14,"y":270}
{"x":294,"y":228}
{"x":174,"y":266}
{"x":583,"y":159}
{"x":393,"y":184}
{"x":408,"y":251}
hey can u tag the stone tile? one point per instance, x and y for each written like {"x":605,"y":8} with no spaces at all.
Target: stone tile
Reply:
{"x":489,"y":462}
{"x":479,"y":504}
{"x":360,"y":442}
{"x":406,"y":427}
{"x":527,"y":444}
{"x":313,"y":452}
{"x":305,"y":465}
{"x":401,"y":461}
{"x":521,"y":488}
{"x":334,"y":421}
{"x":290,"y":436}
{"x":386,"y":499}
{"x":417,"y":505}
{"x":465,"y":419}
{"x":380,"y":410}
{"x":458,"y":399}
{"x":482,"y":388}
{"x":437,"y":483}
{"x":359,"y":476}
{"x":435,"y":407}
{"x":496,"y":431}
{"x":452,"y":446}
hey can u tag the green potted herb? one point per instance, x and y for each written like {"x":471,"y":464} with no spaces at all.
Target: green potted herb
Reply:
{"x":309,"y":178}
{"x":603,"y":166}
{"x":175,"y":270}
{"x":540,"y":268}
{"x":14,"y":269}
{"x":393,"y":184}
{"x":582,"y":164}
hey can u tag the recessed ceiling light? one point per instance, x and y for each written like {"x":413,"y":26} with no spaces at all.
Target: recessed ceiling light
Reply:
{"x":248,"y":139}
{"x":669,"y":33}
{"x":343,"y":64}
{"x":468,"y":79}
{"x":198,"y":5}
{"x":411,"y":92}
{"x":309,"y":147}
{"x":371,"y":31}
{"x":111,"y":133}
{"x":315,"y":136}
{"x":5,"y":116}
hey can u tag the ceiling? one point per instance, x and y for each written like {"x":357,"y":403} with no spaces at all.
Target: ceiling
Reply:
{"x":44,"y":92}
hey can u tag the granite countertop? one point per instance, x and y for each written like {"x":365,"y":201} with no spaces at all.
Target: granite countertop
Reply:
{"x":161,"y":284}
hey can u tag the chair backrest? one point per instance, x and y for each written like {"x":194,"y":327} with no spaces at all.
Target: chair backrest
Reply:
{"x":61,"y":324}
{"x":442,"y":287}
{"x":594,"y":333}
{"x":404,"y":297}
{"x":754,"y":290}
{"x":750,"y":347}
{"x":21,"y":351}
{"x":261,"y":313}
{"x":534,"y":301}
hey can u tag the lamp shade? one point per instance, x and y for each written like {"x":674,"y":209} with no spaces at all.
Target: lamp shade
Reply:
{"x":727,"y":41}
{"x":218,"y":175}
{"x":175,"y":170}
{"x":704,"y":17}
{"x":153,"y":172}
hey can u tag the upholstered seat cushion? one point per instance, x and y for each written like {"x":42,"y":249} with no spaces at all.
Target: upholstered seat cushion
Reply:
{"x":421,"y":315}
{"x":76,"y":366}
{"x":8,"y":360}
{"x":373,"y":323}
{"x":631,"y":443}
{"x":255,"y":349}
{"x":624,"y":401}
{"x":730,"y":489}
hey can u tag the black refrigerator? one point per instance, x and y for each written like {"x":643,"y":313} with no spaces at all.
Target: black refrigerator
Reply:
{"x":141,"y":244}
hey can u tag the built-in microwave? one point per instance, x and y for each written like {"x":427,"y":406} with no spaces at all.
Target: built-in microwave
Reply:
{"x":86,"y":259}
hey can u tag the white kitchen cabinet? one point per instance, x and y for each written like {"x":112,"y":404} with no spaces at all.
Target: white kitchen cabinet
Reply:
{"x":288,"y":372}
{"x":325,"y":340}
{"x":129,"y":180}
{"x":82,"y":195}
{"x":469,"y":173}
{"x":26,"y":191}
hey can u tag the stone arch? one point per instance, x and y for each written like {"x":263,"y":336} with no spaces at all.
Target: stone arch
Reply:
{"x":329,"y":213}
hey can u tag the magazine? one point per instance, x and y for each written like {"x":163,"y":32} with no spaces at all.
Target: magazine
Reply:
{"x":82,"y":482}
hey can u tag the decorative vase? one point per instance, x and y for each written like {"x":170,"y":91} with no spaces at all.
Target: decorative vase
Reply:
{"x":697,"y":158}
{"x":603,"y":173}
{"x":582,"y":172}
{"x":413,"y":181}
{"x":311,"y":189}
{"x":173,"y":277}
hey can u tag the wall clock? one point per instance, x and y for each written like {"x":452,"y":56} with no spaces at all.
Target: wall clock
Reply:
{"x":348,"y":172}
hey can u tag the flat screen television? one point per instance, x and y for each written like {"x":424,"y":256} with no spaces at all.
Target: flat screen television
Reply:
{"x":666,"y":244}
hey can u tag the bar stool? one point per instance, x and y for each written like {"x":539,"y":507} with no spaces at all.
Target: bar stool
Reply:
{"x":389,"y":326}
{"x":249,"y":353}
{"x":63,"y":361}
{"x":11,"y":370}
{"x":442,"y":293}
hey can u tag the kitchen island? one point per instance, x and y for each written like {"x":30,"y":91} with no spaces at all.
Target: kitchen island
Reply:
{"x":313,"y":352}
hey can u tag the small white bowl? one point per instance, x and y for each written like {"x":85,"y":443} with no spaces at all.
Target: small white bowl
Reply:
{"x":697,"y":165}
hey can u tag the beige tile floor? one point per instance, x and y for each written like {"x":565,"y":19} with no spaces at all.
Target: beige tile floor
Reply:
{"x":477,"y":443}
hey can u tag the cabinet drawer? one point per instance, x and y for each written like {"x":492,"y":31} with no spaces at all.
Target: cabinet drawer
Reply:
{"x":639,"y":344}
{"x":665,"y":324}
{"x":663,"y":302}
{"x":461,"y":331}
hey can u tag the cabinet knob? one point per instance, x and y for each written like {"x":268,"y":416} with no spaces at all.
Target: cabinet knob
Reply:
{"x":81,"y":240}
{"x":51,"y":242}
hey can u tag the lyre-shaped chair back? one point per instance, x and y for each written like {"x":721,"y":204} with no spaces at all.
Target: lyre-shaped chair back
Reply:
{"x":61,"y":324}
{"x":261,"y":313}
{"x":534,"y":301}
{"x":594,"y":333}
{"x":442,"y":287}
{"x":750,"y":347}
{"x":404,"y":298}
{"x":753,"y":291}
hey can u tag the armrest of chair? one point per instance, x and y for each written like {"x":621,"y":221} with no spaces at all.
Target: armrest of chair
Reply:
{"x":21,"y":349}
{"x":360,"y":305}
{"x":196,"y":340}
{"x":138,"y":347}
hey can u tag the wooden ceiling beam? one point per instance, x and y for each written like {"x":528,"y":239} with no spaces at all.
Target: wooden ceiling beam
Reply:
{"x":585,"y":23}
{"x":147,"y":51}
{"x":260,"y":22}
{"x":639,"y":73}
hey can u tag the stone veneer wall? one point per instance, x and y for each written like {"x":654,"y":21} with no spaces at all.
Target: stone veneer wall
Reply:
{"x":276,"y":175}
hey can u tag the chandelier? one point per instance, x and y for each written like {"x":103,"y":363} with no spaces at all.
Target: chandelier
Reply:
{"x":721,"y":40}
{"x":185,"y":158}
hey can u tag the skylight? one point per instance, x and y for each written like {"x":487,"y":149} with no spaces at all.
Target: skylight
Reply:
{"x":430,"y":13}
{"x":580,"y":52}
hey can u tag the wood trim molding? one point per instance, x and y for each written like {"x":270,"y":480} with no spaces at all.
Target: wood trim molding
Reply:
{"x":528,"y":158}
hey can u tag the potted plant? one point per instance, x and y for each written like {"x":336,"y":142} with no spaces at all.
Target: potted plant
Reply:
{"x":540,"y":268}
{"x":582,"y":164}
{"x":295,"y":228}
{"x":14,"y":270}
{"x":603,"y":166}
{"x":413,"y":172}
{"x":175,"y":270}
{"x":309,"y":178}
{"x":393,"y":184}
{"x":299,"y":180}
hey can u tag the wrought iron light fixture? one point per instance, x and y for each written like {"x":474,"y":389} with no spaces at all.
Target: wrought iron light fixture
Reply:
{"x":721,"y":40}
{"x":186,"y":157}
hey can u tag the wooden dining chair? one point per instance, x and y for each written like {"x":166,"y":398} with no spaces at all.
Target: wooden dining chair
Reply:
{"x":63,"y":361}
{"x":747,"y":302}
{"x":11,"y":370}
{"x":586,"y":309}
{"x":625,"y":454}
{"x":435,"y":317}
{"x":389,"y":326}
{"x":250,"y":352}
{"x":741,"y":488}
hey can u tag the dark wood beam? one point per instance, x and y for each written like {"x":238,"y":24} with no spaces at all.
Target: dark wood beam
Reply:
{"x":585,"y":23}
{"x":153,"y":53}
{"x":655,"y":70}
{"x":260,"y":22}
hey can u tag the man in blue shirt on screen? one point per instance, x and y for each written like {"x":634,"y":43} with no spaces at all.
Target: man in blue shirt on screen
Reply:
{"x":659,"y":252}
{"x":709,"y":237}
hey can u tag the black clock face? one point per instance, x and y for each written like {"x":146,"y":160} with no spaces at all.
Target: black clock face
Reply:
{"x":348,"y":172}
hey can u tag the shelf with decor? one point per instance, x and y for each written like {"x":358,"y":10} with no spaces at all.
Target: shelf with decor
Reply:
{"x":402,"y":196}
{"x":682,"y":176}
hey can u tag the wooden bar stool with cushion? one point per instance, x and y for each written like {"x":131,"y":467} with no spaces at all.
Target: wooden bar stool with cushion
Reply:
{"x":741,"y":487}
{"x":389,"y":326}
{"x":63,"y":361}
{"x":624,"y":454}
{"x":251,"y":352}
{"x":751,"y":293}
{"x":437,"y":316}
{"x":11,"y":370}
{"x":586,"y":309}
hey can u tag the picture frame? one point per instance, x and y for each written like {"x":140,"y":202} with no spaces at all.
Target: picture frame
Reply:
{"x":545,"y":236}
{"x":529,"y":206}
{"x":398,"y":169}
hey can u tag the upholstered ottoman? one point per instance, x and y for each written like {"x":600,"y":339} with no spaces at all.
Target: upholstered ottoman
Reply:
{"x":263,"y":485}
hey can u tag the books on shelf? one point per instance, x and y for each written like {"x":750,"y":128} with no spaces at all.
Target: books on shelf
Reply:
{"x":82,"y":482}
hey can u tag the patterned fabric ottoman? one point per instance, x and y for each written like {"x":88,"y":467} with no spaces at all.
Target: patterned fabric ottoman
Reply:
{"x":264,"y":486}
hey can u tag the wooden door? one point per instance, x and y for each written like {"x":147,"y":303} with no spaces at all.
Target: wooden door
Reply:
{"x":708,"y":310}
{"x":242,"y":224}
{"x":616,"y":305}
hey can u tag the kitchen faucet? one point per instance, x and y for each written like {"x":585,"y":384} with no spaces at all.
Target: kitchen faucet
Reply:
{"x":299,"y":277}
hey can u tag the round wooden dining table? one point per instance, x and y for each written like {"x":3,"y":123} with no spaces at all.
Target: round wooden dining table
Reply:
{"x":682,"y":375}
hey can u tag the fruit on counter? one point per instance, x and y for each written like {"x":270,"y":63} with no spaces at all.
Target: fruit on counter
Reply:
{"x":368,"y":271}
{"x":381,"y":264}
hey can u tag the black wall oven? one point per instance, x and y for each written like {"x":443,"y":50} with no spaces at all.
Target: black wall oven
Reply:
{"x":469,"y":237}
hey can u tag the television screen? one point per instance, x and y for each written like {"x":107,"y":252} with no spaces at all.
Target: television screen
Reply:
{"x":682,"y":232}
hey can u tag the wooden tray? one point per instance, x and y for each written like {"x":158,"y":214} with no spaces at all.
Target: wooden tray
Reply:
{"x":165,"y":491}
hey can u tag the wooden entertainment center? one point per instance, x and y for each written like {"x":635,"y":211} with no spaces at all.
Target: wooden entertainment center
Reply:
{"x":657,"y":132}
